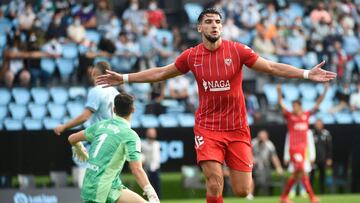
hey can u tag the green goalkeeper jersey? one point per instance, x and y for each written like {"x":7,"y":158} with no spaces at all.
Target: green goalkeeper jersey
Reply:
{"x":112,"y":143}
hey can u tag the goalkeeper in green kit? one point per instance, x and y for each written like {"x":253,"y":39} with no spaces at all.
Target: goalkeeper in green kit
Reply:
{"x":112,"y":143}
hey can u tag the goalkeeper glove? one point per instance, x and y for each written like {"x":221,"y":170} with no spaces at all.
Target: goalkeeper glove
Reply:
{"x":151,"y":194}
{"x":79,"y":152}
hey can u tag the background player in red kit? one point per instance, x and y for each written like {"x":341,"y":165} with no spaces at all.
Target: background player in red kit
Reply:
{"x":298,"y":129}
{"x":221,"y":129}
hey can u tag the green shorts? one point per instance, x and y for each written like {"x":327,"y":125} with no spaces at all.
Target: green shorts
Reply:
{"x":113,"y":196}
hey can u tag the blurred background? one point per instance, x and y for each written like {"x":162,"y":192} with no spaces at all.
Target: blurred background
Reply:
{"x":48,"y":47}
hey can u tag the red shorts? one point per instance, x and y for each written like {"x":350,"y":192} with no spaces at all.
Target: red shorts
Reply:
{"x":233,"y":147}
{"x":297,"y":157}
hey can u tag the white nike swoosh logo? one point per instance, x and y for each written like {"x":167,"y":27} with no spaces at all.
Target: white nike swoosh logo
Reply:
{"x":197,"y":64}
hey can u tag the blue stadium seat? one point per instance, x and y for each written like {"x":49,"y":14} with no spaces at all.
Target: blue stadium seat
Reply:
{"x":330,"y":93}
{"x":356,"y":116}
{"x":57,"y":111}
{"x":326,"y":105}
{"x":168,"y":120}
{"x":135,"y":123}
{"x":343,"y":118}
{"x":48,"y":65}
{"x":3,"y":112}
{"x":37,"y":111}
{"x":193,"y":11}
{"x":250,"y":119}
{"x":50,"y":123}
{"x":93,"y":36}
{"x":5,"y":26}
{"x":77,"y":93}
{"x":290,"y":91}
{"x":270,"y":93}
{"x":2,"y":40}
{"x":17,"y":111}
{"x":32,"y":124}
{"x":40,"y":95}
{"x":66,"y":66}
{"x":326,"y":118}
{"x":186,"y":119}
{"x":21,"y":95}
{"x":12,"y":124}
{"x":75,"y":108}
{"x":307,"y":104}
{"x":308,"y":91}
{"x":69,"y":51}
{"x":312,"y":119}
{"x":149,"y":121}
{"x":5,"y":96}
{"x":59,"y":95}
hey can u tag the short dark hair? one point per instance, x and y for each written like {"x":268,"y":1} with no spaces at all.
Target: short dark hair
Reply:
{"x":123,"y":104}
{"x":102,"y":66}
{"x":297,"y":101}
{"x":207,"y":11}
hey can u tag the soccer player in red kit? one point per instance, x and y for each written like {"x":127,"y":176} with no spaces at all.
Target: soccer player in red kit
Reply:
{"x":221,"y":129}
{"x":298,"y":129}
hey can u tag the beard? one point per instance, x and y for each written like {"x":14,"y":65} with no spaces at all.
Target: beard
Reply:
{"x":212,"y":39}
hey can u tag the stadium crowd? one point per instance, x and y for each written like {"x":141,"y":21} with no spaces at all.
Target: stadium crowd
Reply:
{"x":54,"y":43}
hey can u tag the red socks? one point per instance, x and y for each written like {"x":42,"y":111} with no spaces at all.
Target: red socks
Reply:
{"x":288,"y":187}
{"x":306,"y":182}
{"x":211,"y":199}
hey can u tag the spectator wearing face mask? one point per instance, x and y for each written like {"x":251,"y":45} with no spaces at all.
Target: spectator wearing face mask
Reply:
{"x":355,"y":98}
{"x":155,"y":15}
{"x":57,"y":27}
{"x":76,"y":31}
{"x":135,"y":16}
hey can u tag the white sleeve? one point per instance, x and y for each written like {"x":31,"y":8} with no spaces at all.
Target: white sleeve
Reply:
{"x":155,"y":164}
{"x":311,"y":146}
{"x":286,"y":149}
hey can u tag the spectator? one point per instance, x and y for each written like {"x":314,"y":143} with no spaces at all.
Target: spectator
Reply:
{"x":355,"y":98}
{"x":155,"y":15}
{"x":135,"y":16}
{"x":339,"y":60}
{"x":103,"y":14}
{"x":16,"y":72}
{"x":26,"y":18}
{"x":252,"y":105}
{"x":295,"y":48}
{"x":264,"y":153}
{"x":264,"y":46}
{"x":166,"y":53}
{"x":148,"y":47}
{"x":230,"y":30}
{"x":150,"y":149}
{"x":323,"y":148}
{"x":320,"y":13}
{"x":126,"y":53}
{"x":342,"y":96}
{"x":87,"y":15}
{"x":57,"y":26}
{"x":76,"y":31}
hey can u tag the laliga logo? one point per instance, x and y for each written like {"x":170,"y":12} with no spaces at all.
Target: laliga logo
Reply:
{"x":20,"y":197}
{"x":216,"y":86}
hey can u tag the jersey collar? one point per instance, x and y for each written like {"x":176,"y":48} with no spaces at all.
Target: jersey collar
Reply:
{"x":122,"y":120}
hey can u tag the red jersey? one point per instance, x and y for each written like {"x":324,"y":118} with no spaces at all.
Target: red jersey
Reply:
{"x":298,"y":127}
{"x":219,"y":78}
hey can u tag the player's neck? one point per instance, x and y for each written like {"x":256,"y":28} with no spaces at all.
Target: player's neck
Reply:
{"x":212,"y":46}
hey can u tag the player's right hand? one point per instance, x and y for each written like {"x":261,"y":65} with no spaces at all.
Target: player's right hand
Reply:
{"x":79,"y":152}
{"x":59,"y":129}
{"x":151,"y":194}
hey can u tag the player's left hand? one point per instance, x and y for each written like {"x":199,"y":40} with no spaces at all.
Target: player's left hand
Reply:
{"x":280,"y":171}
{"x":151,"y":194}
{"x":111,"y":78}
{"x":320,"y":75}
{"x":79,"y":151}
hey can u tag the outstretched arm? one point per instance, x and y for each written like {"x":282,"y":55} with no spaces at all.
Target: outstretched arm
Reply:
{"x":321,"y":98}
{"x":283,"y":70}
{"x":151,"y":75}
{"x":280,"y":99}
{"x":84,"y":116}
{"x":143,"y":181}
